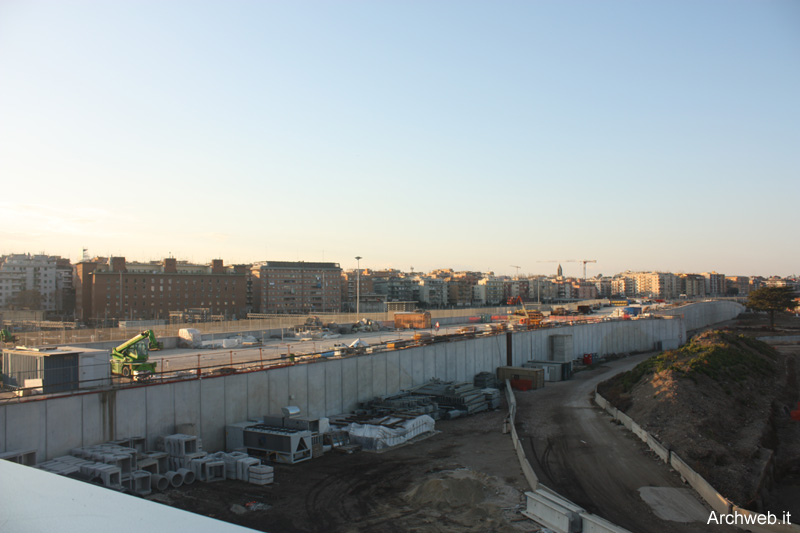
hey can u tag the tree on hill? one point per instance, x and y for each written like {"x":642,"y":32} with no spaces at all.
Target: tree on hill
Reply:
{"x":771,"y":299}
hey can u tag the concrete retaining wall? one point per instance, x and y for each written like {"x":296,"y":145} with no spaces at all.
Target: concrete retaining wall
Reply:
{"x":322,"y":388}
{"x":702,"y":314}
{"x":527,"y":470}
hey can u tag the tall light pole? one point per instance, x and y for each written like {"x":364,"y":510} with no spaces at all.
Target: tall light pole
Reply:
{"x":358,"y":284}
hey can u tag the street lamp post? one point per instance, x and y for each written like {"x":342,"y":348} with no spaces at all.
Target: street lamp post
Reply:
{"x":358,"y":285}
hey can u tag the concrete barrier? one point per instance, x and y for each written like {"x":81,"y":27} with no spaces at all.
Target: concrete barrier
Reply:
{"x":717,"y":501}
{"x":551,"y":513}
{"x":527,"y":470}
{"x":595,"y":524}
{"x":658,"y":448}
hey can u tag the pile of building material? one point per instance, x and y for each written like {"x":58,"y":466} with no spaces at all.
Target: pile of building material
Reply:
{"x":124,"y":465}
{"x":485,"y":380}
{"x":454,"y":396}
{"x":493,"y":397}
{"x":189,"y":338}
{"x":404,"y":403}
{"x":385,"y":432}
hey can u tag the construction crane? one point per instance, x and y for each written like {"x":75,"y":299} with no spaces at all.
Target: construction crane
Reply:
{"x":584,"y":261}
{"x":517,"y":267}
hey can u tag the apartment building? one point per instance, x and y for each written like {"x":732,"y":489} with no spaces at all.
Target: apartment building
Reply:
{"x":715,"y":284}
{"x":116,"y":289}
{"x":26,"y":272}
{"x":692,"y":285}
{"x":298,"y":286}
{"x":432,"y":292}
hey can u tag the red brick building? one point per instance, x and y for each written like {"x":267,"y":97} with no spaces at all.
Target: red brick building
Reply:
{"x":114,"y":289}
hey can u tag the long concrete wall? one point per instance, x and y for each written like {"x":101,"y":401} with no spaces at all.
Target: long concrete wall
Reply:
{"x":205,"y":406}
{"x":702,"y":314}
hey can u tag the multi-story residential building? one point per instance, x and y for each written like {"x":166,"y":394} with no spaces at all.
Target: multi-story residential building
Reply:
{"x":740,"y":284}
{"x":716,"y":284}
{"x":604,"y":286}
{"x":624,"y":286}
{"x":432,"y":292}
{"x":584,"y":290}
{"x":459,"y":292}
{"x":402,"y":288}
{"x":26,"y":272}
{"x":692,"y":285}
{"x":116,"y":289}
{"x":366,"y":291}
{"x":299,"y":287}
{"x":65,"y":287}
{"x":493,"y":292}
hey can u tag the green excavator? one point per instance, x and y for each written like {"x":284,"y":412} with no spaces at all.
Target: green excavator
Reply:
{"x":130,"y":359}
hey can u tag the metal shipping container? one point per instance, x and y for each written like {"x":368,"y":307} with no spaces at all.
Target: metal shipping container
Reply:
{"x":57,"y":369}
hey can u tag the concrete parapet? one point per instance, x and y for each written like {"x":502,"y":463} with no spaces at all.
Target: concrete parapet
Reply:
{"x":595,"y":524}
{"x":548,"y":512}
{"x":658,"y":448}
{"x":714,"y":499}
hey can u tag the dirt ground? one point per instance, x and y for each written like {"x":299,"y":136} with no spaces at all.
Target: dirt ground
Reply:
{"x":465,"y":477}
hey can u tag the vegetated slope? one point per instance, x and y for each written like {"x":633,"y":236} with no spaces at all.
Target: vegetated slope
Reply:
{"x":710,"y":402}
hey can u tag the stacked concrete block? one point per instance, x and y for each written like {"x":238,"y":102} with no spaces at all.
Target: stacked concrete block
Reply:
{"x":23,"y":457}
{"x":161,"y":458}
{"x":57,"y":467}
{"x":179,"y":445}
{"x":139,"y":482}
{"x":261,"y":475}
{"x":110,"y":476}
{"x":148,"y":465}
{"x":208,"y":469}
{"x":243,"y":467}
{"x":230,"y":460}
{"x":176,"y":463}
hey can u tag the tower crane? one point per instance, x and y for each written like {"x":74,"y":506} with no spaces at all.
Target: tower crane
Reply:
{"x":584,"y":261}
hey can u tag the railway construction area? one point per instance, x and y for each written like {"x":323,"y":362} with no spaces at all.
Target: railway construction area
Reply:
{"x":421,"y":485}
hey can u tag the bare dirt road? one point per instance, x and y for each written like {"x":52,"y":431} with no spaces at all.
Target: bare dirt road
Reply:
{"x":578,"y":450}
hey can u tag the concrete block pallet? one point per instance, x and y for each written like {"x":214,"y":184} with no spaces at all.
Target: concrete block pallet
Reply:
{"x":261,"y":475}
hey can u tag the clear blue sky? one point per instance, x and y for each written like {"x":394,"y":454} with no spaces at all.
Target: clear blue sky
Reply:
{"x":472,"y":135}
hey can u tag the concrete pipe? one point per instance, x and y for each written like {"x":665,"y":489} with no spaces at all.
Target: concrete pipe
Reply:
{"x":159,"y":482}
{"x":188,"y":476}
{"x":175,"y":478}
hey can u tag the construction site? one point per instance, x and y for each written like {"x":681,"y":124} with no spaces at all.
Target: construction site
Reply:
{"x":375,"y":430}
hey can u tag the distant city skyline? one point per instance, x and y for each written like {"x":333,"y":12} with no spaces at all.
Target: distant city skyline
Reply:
{"x":571,"y":268}
{"x":469,"y":135}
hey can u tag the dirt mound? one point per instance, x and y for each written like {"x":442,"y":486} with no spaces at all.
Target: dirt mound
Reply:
{"x":448,"y":492}
{"x":710,"y":401}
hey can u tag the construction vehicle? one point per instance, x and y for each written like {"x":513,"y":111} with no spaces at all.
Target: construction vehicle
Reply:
{"x":154,"y":343}
{"x":529,"y":319}
{"x":6,"y":336}
{"x":130,"y":359}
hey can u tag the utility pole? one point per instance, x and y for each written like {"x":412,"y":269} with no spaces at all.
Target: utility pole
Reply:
{"x":358,"y":285}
